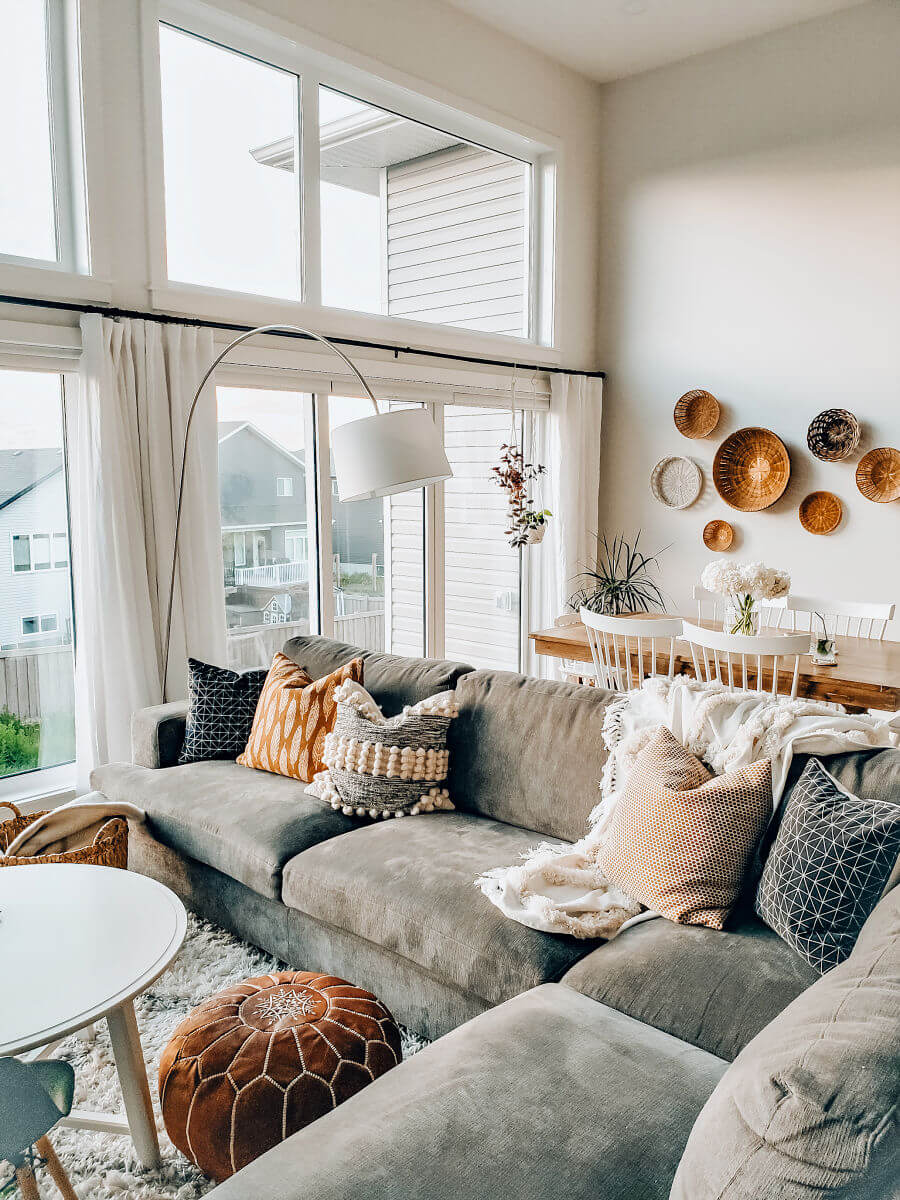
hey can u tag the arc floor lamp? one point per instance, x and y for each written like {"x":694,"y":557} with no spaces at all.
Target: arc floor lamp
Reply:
{"x":380,"y":455}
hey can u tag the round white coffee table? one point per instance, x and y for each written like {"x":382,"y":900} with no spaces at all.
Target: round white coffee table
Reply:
{"x":78,"y":943}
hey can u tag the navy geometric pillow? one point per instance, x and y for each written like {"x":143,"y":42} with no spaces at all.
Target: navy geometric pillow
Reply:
{"x":220,"y":711}
{"x":828,"y":867}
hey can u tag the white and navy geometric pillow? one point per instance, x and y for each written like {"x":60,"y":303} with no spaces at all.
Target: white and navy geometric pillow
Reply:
{"x":828,"y":867}
{"x":220,"y":711}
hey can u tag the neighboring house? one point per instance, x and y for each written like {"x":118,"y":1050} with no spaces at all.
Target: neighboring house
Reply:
{"x":35,"y":589}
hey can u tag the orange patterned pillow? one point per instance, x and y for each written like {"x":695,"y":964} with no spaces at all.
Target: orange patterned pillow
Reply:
{"x":681,"y":839}
{"x":292,"y":718}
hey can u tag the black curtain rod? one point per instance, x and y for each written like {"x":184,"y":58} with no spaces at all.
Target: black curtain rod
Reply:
{"x":173,"y":319}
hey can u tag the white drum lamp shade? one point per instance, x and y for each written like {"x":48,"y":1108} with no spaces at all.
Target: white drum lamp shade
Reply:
{"x":388,"y":453}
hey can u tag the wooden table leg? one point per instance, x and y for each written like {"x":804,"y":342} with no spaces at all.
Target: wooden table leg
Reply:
{"x":126,"y":1044}
{"x":56,"y":1169}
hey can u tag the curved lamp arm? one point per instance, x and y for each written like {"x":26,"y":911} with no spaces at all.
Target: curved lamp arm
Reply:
{"x":184,"y":453}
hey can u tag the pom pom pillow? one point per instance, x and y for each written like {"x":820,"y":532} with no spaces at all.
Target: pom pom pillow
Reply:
{"x":293,"y":717}
{"x":681,"y":839}
{"x":386,"y":767}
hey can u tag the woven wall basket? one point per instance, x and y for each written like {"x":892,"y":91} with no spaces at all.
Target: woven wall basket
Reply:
{"x":109,"y":847}
{"x":718,"y":536}
{"x":697,"y":414}
{"x":751,"y":469}
{"x":676,"y":482}
{"x":878,"y":475}
{"x":834,"y":434}
{"x":821,"y":512}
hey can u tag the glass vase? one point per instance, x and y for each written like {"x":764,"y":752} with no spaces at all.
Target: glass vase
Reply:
{"x":741,"y":616}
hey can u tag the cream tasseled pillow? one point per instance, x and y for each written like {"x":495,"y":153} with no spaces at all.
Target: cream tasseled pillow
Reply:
{"x":681,"y":839}
{"x":386,"y":767}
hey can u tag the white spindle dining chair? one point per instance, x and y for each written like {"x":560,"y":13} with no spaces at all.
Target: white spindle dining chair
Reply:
{"x":613,"y":641}
{"x":734,"y":659}
{"x":711,"y":607}
{"x":850,"y":619}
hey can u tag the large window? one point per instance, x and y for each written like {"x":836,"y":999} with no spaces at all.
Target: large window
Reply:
{"x":37,"y":726}
{"x":280,"y":186}
{"x":41,"y":217}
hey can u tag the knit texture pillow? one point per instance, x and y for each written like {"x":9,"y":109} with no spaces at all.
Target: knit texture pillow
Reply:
{"x":293,"y":718}
{"x":386,"y":767}
{"x":681,"y":838}
{"x":827,"y":867}
{"x":220,"y":711}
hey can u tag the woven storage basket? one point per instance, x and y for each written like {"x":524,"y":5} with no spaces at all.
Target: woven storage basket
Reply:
{"x":751,"y":469}
{"x":878,"y":475}
{"x":834,"y":434}
{"x":821,"y":512}
{"x":109,"y":847}
{"x":718,"y":536}
{"x":697,"y":414}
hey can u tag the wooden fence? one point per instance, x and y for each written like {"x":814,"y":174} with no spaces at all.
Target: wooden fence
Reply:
{"x":37,"y":681}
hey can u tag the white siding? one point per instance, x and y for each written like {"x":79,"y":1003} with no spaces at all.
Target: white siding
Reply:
{"x":481,"y":608}
{"x":33,"y":593}
{"x":407,"y":573}
{"x":457,"y":240}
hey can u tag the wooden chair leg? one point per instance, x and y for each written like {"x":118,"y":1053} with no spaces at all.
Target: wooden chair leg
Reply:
{"x":27,"y":1183}
{"x":56,"y":1169}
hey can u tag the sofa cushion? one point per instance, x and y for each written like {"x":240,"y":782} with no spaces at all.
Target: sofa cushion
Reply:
{"x":549,"y":1095}
{"x":243,"y":822}
{"x":409,"y":886}
{"x":714,"y":989}
{"x":528,"y":751}
{"x":811,"y":1108}
{"x":392,"y":679}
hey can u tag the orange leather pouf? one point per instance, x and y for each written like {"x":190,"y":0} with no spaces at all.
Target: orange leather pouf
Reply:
{"x":255,"y":1063}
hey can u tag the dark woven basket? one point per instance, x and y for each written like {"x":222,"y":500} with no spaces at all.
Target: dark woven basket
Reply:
{"x":109,"y":847}
{"x":834,"y":434}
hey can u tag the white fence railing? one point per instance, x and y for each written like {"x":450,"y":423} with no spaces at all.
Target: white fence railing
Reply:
{"x":274,"y":575}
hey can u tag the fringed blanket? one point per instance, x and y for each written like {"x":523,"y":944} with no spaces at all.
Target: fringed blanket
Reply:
{"x":560,"y":889}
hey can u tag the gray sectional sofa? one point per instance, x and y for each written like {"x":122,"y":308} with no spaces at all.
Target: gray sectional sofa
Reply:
{"x":563,"y":1068}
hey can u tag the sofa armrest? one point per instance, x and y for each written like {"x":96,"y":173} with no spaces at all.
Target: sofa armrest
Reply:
{"x":157,"y":734}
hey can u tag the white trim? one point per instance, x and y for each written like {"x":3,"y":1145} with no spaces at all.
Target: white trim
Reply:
{"x":45,"y":787}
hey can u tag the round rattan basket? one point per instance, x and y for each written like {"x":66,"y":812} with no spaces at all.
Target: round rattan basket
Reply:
{"x":718,"y":536}
{"x":821,"y":512}
{"x":878,"y":475}
{"x":834,"y":434}
{"x":751,"y":469}
{"x":109,"y":847}
{"x":676,"y":482}
{"x":697,"y":414}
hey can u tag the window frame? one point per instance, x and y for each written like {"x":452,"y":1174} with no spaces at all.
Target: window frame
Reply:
{"x":80,"y":270}
{"x":30,"y":535}
{"x":413,"y":99}
{"x":40,"y":618}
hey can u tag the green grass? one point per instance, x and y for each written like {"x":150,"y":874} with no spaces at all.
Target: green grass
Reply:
{"x":21,"y":742}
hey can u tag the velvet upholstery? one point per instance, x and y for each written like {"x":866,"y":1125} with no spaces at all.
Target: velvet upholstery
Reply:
{"x":426,"y":1004}
{"x":528,"y":751}
{"x":714,"y":989}
{"x":811,"y":1107}
{"x":408,"y":885}
{"x":392,"y":679}
{"x":243,"y":822}
{"x":549,"y":1095}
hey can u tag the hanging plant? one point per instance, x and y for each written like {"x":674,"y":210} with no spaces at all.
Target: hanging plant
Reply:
{"x":527,"y":524}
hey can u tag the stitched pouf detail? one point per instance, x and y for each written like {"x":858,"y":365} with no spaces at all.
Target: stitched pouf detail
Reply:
{"x":258,"y":1061}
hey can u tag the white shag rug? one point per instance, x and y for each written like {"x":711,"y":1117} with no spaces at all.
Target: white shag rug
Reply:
{"x":104,"y":1166}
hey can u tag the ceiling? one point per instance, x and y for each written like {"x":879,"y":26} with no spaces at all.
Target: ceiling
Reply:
{"x":609,"y":39}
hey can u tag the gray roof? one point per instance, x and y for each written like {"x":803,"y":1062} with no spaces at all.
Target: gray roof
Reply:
{"x":22,"y":470}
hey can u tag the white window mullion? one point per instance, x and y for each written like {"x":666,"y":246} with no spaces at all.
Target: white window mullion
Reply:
{"x":323,"y":547}
{"x":306,"y":166}
{"x":434,"y":556}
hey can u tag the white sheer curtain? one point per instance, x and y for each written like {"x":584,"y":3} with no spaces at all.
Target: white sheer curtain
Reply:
{"x":125,"y":435}
{"x":573,"y":461}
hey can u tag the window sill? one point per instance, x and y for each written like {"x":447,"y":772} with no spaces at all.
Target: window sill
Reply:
{"x":215,"y":304}
{"x":51,"y":283}
{"x":41,"y":789}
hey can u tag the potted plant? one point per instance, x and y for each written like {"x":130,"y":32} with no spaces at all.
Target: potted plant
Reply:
{"x":515,"y":475}
{"x":743,"y":585}
{"x":620,"y":580}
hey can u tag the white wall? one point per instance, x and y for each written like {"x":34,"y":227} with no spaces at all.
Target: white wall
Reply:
{"x":751,"y":246}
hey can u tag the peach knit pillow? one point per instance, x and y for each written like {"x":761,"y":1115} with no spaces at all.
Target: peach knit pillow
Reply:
{"x":293,"y":717}
{"x":681,"y":839}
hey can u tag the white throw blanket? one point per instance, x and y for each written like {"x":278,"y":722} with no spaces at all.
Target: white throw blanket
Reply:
{"x":70,"y":826}
{"x":560,"y":888}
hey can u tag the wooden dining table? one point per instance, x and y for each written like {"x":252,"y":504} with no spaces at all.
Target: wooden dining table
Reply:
{"x":866,"y":675}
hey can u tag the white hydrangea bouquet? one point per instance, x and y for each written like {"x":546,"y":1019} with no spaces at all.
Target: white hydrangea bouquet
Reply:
{"x":744,"y":584}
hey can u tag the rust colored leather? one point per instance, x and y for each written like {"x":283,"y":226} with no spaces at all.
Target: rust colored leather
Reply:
{"x":260,"y":1060}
